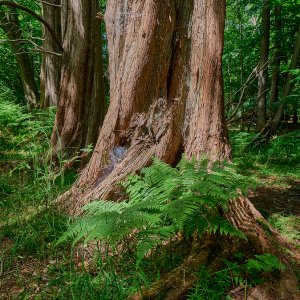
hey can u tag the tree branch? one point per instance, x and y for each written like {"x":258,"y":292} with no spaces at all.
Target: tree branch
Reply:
{"x":249,"y":80}
{"x":48,"y":3}
{"x":253,"y":73}
{"x":35,"y":15}
{"x":38,"y":48}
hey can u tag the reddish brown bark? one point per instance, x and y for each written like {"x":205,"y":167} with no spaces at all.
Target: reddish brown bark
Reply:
{"x":164,"y":103}
{"x":152,"y":79}
{"x":81,"y":104}
{"x":207,"y":132}
{"x":149,"y":46}
{"x":51,"y":63}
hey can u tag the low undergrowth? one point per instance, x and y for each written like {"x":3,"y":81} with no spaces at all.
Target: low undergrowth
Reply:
{"x":33,"y":266}
{"x":163,"y":201}
{"x":278,"y":159}
{"x":238,"y":274}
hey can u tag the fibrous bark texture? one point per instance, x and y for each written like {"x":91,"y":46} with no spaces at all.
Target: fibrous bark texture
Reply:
{"x":207,"y":131}
{"x":165,"y":70}
{"x":81,"y":104}
{"x":211,"y":252}
{"x":9,"y":22}
{"x":166,"y":99}
{"x":51,"y":60}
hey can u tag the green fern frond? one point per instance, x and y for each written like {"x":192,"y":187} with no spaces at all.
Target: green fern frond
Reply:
{"x":264,"y":263}
{"x":163,"y":200}
{"x":221,"y":225}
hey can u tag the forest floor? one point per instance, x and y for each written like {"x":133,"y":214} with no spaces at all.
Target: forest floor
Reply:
{"x":32,"y":266}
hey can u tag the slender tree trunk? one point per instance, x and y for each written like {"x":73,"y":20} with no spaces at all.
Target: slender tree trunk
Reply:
{"x":287,"y":87}
{"x":10,"y":24}
{"x":51,"y":63}
{"x":274,"y":94}
{"x":81,"y":106}
{"x":295,"y":113}
{"x":241,"y":62}
{"x":263,"y":67}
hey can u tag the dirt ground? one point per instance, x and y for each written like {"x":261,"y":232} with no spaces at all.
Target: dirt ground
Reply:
{"x":270,"y":200}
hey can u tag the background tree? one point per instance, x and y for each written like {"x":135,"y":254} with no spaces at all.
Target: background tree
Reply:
{"x":288,"y":86}
{"x":10,"y":25}
{"x":274,"y":94}
{"x":51,"y":60}
{"x":263,"y":66}
{"x":240,"y":98}
{"x":81,"y":106}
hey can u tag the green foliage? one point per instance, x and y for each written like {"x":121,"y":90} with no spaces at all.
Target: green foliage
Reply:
{"x":264,"y":263}
{"x":281,"y":149}
{"x":12,"y":115}
{"x":22,"y":133}
{"x":236,"y":273}
{"x":285,"y":148}
{"x":36,"y":235}
{"x":211,"y":287}
{"x":161,"y":202}
{"x":279,"y":157}
{"x":287,"y":225}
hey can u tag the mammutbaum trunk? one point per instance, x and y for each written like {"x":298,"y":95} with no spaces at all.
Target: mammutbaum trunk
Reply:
{"x":166,"y":91}
{"x":81,"y":104}
{"x":167,"y":100}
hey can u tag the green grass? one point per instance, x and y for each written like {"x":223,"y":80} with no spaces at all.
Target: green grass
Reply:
{"x":274,"y":162}
{"x":289,"y":226}
{"x":30,"y":224}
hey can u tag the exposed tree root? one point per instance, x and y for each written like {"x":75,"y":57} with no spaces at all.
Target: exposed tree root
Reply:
{"x":182,"y":277}
{"x":262,"y":237}
{"x":211,"y":252}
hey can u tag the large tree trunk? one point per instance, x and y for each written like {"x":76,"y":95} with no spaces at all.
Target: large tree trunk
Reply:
{"x":164,"y":54}
{"x":51,"y":59}
{"x":150,"y":71}
{"x":287,"y":87}
{"x":149,"y":48}
{"x":10,"y":24}
{"x":81,"y":106}
{"x":263,"y":66}
{"x":207,"y":132}
{"x":274,"y":94}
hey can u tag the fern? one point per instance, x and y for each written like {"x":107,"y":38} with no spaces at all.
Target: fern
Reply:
{"x":162,"y":201}
{"x":264,"y":263}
